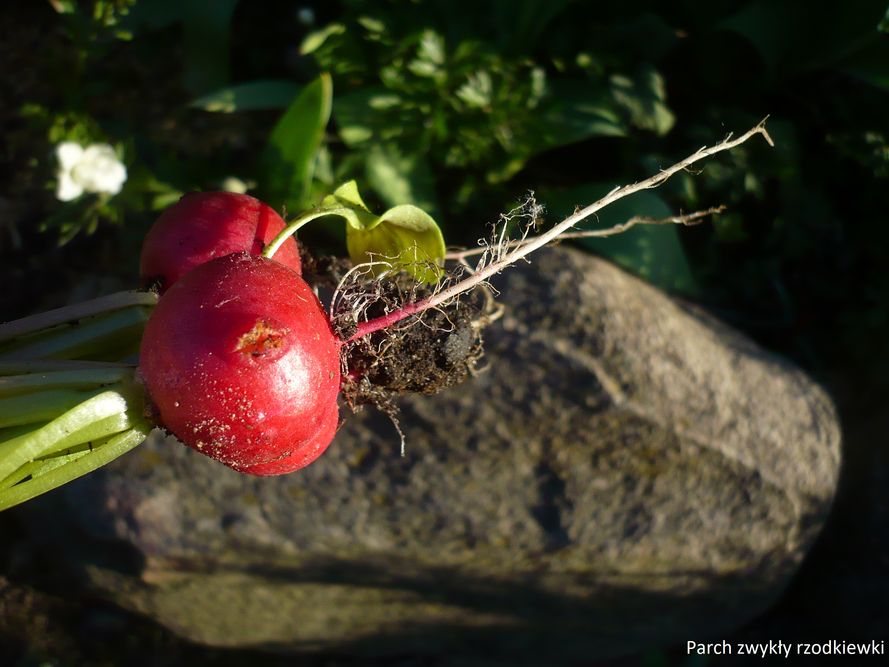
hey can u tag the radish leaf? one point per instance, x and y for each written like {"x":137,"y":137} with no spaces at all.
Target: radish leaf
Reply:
{"x":405,"y":235}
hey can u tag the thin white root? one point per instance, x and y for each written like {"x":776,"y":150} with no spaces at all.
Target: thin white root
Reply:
{"x":685,"y":219}
{"x":495,"y":259}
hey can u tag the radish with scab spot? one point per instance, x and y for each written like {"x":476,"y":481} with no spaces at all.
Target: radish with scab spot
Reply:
{"x":241,"y":364}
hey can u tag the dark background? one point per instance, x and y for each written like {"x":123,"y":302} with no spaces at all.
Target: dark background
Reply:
{"x":798,"y":261}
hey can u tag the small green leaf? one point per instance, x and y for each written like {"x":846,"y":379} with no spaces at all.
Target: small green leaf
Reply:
{"x":289,"y":157}
{"x":346,"y":195}
{"x":644,"y":98}
{"x":405,"y":235}
{"x":432,"y":48}
{"x":884,"y":24}
{"x":249,"y":96}
{"x":478,"y":90}
{"x":371,"y":24}
{"x":315,"y":40}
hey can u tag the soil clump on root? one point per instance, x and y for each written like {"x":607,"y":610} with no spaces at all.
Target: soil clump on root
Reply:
{"x":437,"y":349}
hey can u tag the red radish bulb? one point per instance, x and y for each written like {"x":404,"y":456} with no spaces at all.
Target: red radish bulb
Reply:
{"x":204,"y":225}
{"x":241,"y":364}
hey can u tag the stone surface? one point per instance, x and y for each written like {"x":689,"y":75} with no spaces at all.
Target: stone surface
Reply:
{"x":627,"y":472}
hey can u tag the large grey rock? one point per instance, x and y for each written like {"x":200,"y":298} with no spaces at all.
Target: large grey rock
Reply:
{"x":627,"y":472}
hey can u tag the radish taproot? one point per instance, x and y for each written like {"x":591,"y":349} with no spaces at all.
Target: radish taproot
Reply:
{"x":204,"y":225}
{"x":240,"y":362}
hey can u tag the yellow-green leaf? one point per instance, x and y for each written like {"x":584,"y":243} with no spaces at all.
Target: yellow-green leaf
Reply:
{"x":346,"y":195}
{"x":405,"y":235}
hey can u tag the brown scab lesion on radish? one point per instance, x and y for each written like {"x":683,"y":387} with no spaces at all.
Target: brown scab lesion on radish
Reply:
{"x":261,"y":339}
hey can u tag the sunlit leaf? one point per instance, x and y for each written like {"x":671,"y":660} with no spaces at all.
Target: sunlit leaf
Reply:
{"x":289,"y":157}
{"x":314,"y":40}
{"x":404,"y":235}
{"x":644,"y":98}
{"x":371,"y":24}
{"x":346,"y":195}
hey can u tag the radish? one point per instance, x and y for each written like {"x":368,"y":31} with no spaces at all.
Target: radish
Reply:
{"x":240,"y":362}
{"x":239,"y":359}
{"x":205,"y":225}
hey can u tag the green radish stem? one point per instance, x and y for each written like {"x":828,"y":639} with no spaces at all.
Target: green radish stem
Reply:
{"x":93,"y":431}
{"x":25,"y":448}
{"x":89,"y":439}
{"x":93,"y":337}
{"x":87,"y":429}
{"x":100,"y":328}
{"x":84,"y":378}
{"x":76,"y":467}
{"x":41,"y":466}
{"x":295,"y":225}
{"x":54,"y":459}
{"x":40,"y":406}
{"x":79,"y":311}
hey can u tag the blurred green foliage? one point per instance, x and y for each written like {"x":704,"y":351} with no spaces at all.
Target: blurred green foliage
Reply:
{"x":461,"y":101}
{"x":463,"y":112}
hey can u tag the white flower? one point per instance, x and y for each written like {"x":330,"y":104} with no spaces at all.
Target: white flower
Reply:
{"x":95,"y":168}
{"x":235,"y":184}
